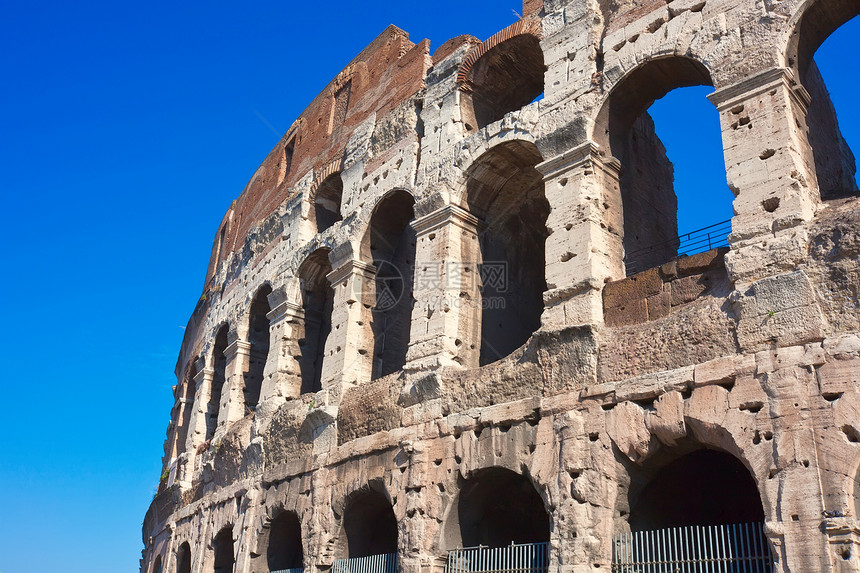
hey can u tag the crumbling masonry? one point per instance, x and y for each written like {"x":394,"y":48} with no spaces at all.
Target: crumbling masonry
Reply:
{"x":421,"y":328}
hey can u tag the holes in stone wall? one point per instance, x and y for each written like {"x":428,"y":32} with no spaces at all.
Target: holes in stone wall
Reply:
{"x":258,"y":337}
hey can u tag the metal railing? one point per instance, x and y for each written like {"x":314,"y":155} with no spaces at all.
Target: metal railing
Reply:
{"x":699,"y":241}
{"x":513,"y":558}
{"x":699,"y":548}
{"x":292,"y":570}
{"x":384,"y":563}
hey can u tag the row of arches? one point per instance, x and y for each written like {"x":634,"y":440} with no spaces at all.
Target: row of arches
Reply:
{"x":495,"y":507}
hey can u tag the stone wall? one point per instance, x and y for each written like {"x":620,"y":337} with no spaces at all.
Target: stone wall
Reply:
{"x":544,"y":394}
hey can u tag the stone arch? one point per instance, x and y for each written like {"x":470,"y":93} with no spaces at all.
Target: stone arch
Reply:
{"x":501,"y":75}
{"x":317,"y":298}
{"x":283,"y":542}
{"x":258,"y":338}
{"x":188,"y":390}
{"x":368,"y":524}
{"x":506,"y":193}
{"x":219,"y":376}
{"x":183,"y":558}
{"x":224,"y":557}
{"x":646,"y":180}
{"x":389,"y":243}
{"x":812,"y":24}
{"x":326,"y":196}
{"x":496,"y":507}
{"x":156,"y":565}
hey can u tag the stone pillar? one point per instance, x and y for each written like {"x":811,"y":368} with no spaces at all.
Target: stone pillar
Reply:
{"x":446,"y":319}
{"x":771,"y":170}
{"x":197,"y":425}
{"x":232,"y":409}
{"x":282,"y":377}
{"x":349,"y":347}
{"x":585,"y":246}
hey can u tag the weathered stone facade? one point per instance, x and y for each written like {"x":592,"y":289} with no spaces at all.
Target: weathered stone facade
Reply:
{"x":357,"y":376}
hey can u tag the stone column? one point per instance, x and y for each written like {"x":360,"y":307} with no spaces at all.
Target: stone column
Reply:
{"x":446,"y":319}
{"x":232,"y":409}
{"x":349,"y":347}
{"x":197,"y":425}
{"x":585,"y":245}
{"x":282,"y":377}
{"x":771,"y":170}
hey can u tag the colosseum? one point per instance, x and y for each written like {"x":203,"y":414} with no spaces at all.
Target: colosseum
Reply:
{"x":449,"y":325}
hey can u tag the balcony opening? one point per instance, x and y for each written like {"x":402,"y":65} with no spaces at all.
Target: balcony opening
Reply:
{"x":284,"y":550}
{"x":326,"y":202}
{"x":821,"y":43}
{"x":186,"y":407}
{"x":223,"y":546}
{"x":498,"y":507}
{"x":369,"y":526}
{"x":507,"y":77}
{"x":219,"y":363}
{"x":183,"y":558}
{"x":390,"y":244}
{"x":317,"y":301}
{"x":706,"y":494}
{"x":506,"y":193}
{"x":258,"y":337}
{"x":675,"y":199}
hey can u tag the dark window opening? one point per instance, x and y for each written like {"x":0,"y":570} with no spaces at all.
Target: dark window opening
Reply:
{"x":258,"y":337}
{"x":223,"y":546}
{"x":156,"y":567}
{"x":392,"y":249}
{"x":498,"y":507}
{"x":285,"y":543}
{"x":183,"y":558}
{"x":289,"y":150}
{"x":186,"y":407}
{"x":369,"y":525}
{"x":218,"y":378}
{"x":828,"y":32}
{"x":326,"y":207}
{"x":505,"y":79}
{"x":506,"y":193}
{"x":317,"y":302}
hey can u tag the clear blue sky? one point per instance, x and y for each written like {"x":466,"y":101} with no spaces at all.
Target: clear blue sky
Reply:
{"x":127,"y":131}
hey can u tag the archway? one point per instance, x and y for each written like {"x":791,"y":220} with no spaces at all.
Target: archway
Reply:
{"x":390,"y":244}
{"x":183,"y":558}
{"x":219,"y":375}
{"x":223,"y":547}
{"x":156,"y":566}
{"x":649,"y":195}
{"x":284,"y":550}
{"x":506,"y":77}
{"x":506,"y":192}
{"x":498,"y":507}
{"x":326,"y":202}
{"x":317,"y":301}
{"x":369,"y":525}
{"x":258,"y":337}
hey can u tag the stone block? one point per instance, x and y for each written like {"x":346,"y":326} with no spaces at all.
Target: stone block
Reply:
{"x":687,"y":289}
{"x":701,"y":262}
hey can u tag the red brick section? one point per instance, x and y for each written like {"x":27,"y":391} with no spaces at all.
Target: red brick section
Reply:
{"x":629,"y":11}
{"x":389,"y":71}
{"x":531,"y":7}
{"x":652,"y":294}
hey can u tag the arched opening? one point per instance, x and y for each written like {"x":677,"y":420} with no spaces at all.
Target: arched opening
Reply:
{"x":369,"y":525}
{"x":391,"y":245}
{"x":857,"y":492}
{"x":326,"y":202}
{"x":498,"y":507}
{"x":223,"y":547}
{"x":183,"y":558}
{"x":505,"y":78}
{"x":671,"y":188}
{"x":317,"y":301}
{"x":820,"y":44}
{"x":285,"y":542}
{"x":506,"y":192}
{"x":219,"y":375}
{"x":156,"y":566}
{"x":258,"y":337}
{"x":701,"y":495}
{"x":186,"y":407}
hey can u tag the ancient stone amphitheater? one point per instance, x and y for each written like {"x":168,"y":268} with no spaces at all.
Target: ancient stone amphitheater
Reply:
{"x":449,"y":324}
